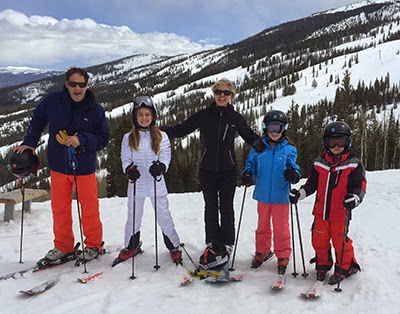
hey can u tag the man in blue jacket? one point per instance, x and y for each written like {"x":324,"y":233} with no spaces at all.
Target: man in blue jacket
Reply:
{"x":78,"y":129}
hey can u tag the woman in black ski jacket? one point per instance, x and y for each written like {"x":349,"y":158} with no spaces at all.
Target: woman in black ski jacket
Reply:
{"x":219,"y":124}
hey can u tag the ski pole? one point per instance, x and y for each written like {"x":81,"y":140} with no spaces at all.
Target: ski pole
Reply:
{"x":295,"y":273}
{"x":346,"y":229}
{"x":156,"y":266}
{"x":74,"y":164}
{"x":133,"y":234}
{"x":304,"y":274}
{"x":187,"y":253}
{"x":22,"y":188}
{"x":238,"y":230}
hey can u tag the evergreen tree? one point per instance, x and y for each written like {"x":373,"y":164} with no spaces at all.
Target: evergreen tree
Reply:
{"x":116,"y":182}
{"x":343,"y":107}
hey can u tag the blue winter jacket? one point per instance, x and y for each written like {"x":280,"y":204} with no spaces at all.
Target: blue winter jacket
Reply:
{"x":268,"y":167}
{"x":89,"y":122}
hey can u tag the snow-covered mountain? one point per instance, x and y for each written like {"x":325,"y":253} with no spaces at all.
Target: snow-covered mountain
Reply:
{"x":374,"y":230}
{"x":302,"y":42}
{"x":12,"y":76}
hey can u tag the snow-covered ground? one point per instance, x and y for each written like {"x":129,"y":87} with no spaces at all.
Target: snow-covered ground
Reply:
{"x":374,"y":229}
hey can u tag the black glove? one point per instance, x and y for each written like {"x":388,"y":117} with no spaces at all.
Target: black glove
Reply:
{"x":157,"y":168}
{"x":247,"y":177}
{"x":294,"y":196}
{"x":291,"y":175}
{"x":132,"y":172}
{"x":351,"y":201}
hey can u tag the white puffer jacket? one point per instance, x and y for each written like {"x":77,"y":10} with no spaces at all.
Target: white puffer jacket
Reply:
{"x":143,"y":159}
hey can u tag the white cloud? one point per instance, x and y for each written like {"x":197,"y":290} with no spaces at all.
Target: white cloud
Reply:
{"x":165,"y":27}
{"x":46,"y":42}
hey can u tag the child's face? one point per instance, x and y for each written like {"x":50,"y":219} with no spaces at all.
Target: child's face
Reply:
{"x":144,"y":117}
{"x":337,"y":150}
{"x":336,"y":144}
{"x":275,"y":136}
{"x":275,"y":131}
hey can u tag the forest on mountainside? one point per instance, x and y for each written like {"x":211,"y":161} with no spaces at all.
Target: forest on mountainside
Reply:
{"x":375,"y":142}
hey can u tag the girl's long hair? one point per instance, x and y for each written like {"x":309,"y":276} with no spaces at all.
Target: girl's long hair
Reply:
{"x":155,"y":135}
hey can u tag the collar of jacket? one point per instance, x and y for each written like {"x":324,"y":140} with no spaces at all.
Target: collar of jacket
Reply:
{"x":213,"y":107}
{"x":277,"y":144}
{"x":91,"y":99}
{"x":335,"y":159}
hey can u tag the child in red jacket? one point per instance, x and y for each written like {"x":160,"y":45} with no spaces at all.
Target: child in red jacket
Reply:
{"x":339,"y":179}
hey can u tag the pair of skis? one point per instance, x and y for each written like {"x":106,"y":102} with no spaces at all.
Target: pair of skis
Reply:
{"x":313,"y":293}
{"x":43,"y":264}
{"x":211,"y":276}
{"x":107,"y":269}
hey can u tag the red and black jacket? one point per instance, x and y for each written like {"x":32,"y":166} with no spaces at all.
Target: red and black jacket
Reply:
{"x":333,"y":177}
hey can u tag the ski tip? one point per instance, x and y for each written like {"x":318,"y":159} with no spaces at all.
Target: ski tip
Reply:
{"x":82,"y":280}
{"x":277,"y":288}
{"x":186,"y":280}
{"x":116,"y":262}
{"x":309,"y":296}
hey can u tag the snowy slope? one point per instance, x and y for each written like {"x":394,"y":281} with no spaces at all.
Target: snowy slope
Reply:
{"x":374,"y":230}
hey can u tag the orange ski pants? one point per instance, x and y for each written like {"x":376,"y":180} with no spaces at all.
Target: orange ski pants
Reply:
{"x":62,"y":186}
{"x":323,"y":233}
{"x":278,"y":214}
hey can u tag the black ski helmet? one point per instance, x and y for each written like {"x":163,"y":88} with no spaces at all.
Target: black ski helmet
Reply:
{"x":275,"y":116}
{"x":337,"y":129}
{"x":143,"y":101}
{"x":24,"y":164}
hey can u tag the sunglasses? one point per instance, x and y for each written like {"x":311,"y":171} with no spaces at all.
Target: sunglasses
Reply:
{"x":220,"y":92}
{"x":74,"y":84}
{"x":340,"y":142}
{"x":274,"y":128}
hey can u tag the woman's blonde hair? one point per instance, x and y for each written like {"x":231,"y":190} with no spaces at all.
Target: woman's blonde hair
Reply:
{"x":225,"y":81}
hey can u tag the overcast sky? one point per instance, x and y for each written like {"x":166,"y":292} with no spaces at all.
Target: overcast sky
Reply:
{"x":49,"y":34}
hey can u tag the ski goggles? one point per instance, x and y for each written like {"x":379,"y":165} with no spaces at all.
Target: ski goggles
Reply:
{"x":220,"y":92}
{"x":340,"y":142}
{"x":275,"y":128}
{"x":74,"y":84}
{"x":143,"y":101}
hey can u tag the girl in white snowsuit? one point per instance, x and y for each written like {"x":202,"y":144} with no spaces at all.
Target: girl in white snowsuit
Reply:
{"x":145,"y":156}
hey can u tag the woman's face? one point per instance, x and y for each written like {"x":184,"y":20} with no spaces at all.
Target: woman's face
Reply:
{"x":222,"y":99}
{"x":144,"y":117}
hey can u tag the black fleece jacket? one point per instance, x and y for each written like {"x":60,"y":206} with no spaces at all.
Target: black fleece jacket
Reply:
{"x":218,"y":128}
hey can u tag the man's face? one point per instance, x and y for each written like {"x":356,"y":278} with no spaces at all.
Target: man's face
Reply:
{"x":76,"y":92}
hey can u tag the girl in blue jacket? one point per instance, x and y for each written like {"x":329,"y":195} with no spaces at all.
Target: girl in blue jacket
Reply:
{"x":273,"y":164}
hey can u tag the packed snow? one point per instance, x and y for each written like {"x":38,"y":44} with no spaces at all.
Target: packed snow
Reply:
{"x":374,"y":229}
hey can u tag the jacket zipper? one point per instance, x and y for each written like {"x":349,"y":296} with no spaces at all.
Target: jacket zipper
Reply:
{"x":218,"y":141}
{"x":226,"y":130}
